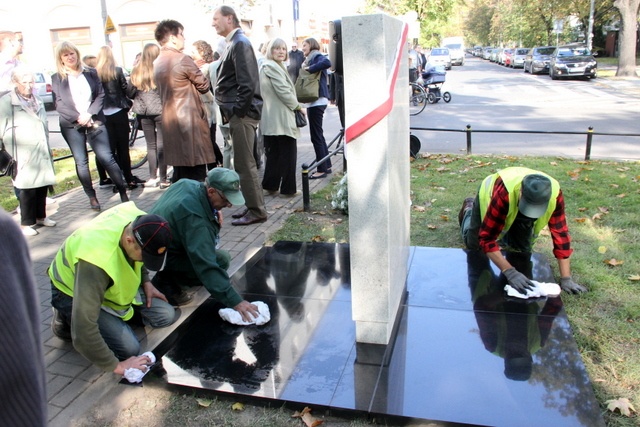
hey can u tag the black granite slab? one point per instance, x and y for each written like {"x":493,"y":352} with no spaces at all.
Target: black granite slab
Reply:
{"x":463,"y":353}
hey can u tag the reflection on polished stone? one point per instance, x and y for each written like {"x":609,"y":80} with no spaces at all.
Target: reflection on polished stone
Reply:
{"x":463,"y":351}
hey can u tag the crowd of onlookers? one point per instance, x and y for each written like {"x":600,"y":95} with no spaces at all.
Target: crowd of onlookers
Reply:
{"x":180,"y":96}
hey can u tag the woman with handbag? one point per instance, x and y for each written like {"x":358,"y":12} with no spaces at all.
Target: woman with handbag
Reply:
{"x":78,"y":96}
{"x":24,"y":131}
{"x":278,"y":121}
{"x":116,"y":110}
{"x":316,"y":62}
{"x":148,"y":108}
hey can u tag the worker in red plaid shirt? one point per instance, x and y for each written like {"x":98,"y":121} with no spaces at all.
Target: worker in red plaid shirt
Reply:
{"x":511,"y":208}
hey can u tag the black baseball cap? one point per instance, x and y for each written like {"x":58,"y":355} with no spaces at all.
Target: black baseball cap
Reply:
{"x":153,"y":235}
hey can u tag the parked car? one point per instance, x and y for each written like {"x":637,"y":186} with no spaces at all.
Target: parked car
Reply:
{"x":477,"y":51}
{"x":518,"y":57}
{"x":505,"y":57}
{"x":537,"y":60}
{"x":495,"y":54}
{"x":43,"y":89}
{"x":440,"y":56}
{"x":456,"y":53}
{"x":573,"y":60}
{"x":486,"y":52}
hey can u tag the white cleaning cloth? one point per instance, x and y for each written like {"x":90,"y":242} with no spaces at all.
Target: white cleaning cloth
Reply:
{"x":540,"y":289}
{"x":232,"y":316}
{"x":134,"y":375}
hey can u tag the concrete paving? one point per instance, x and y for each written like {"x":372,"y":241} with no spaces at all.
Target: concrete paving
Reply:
{"x":74,"y":385}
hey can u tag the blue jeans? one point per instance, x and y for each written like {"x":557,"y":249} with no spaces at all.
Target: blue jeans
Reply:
{"x":99,"y":141}
{"x":116,"y":332}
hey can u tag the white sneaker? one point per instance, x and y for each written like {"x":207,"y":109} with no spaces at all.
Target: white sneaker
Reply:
{"x":152,"y":182}
{"x":28,"y":231}
{"x":46,"y":222}
{"x":51,"y":201}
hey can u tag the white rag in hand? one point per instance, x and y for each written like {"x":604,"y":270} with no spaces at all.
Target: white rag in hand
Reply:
{"x":232,"y":316}
{"x":540,"y":289}
{"x":135,"y":375}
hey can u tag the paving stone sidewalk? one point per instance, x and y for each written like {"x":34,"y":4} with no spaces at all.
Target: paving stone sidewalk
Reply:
{"x":73,"y":384}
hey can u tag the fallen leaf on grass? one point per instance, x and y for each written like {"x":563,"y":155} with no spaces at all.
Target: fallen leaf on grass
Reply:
{"x":621,"y":196}
{"x":444,"y":217}
{"x":582,"y":209}
{"x":581,"y":220}
{"x":553,"y":163}
{"x":603,"y":210}
{"x":237,"y":406}
{"x":431,"y":227}
{"x":317,"y":239}
{"x":613,"y":262}
{"x":204,"y":402}
{"x":634,"y":277}
{"x":614,"y":185}
{"x":602,"y":249}
{"x":442,"y":169}
{"x":419,"y":208}
{"x":308,"y":419}
{"x":622,"y":404}
{"x":597,"y":216}
{"x":623,"y":169}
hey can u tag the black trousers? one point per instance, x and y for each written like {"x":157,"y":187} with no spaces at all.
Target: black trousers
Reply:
{"x":33,"y":205}
{"x":280,"y":168}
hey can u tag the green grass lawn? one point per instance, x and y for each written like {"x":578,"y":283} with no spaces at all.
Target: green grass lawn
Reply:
{"x":602,"y":199}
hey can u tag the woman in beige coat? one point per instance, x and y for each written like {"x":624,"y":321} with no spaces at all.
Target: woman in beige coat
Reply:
{"x":24,"y":130}
{"x":278,"y":123}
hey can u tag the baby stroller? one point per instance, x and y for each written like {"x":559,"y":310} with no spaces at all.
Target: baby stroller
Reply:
{"x":433,"y":78}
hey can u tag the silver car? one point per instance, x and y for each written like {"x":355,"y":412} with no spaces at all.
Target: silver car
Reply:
{"x":537,"y":60}
{"x":518,"y":57}
{"x":43,"y":89}
{"x":440,"y":56}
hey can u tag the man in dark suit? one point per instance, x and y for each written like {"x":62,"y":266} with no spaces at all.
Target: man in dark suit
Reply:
{"x":296,"y":58}
{"x":237,"y":94}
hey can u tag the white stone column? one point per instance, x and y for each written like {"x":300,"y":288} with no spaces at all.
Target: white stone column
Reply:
{"x":377,"y":131}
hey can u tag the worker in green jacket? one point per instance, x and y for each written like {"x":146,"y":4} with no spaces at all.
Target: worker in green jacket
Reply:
{"x":99,"y":278}
{"x":193,"y":210}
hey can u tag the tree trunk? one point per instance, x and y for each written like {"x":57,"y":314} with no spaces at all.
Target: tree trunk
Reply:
{"x":627,"y":39}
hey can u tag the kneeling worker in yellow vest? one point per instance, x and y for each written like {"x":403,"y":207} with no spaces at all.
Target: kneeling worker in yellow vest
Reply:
{"x":100,"y":277}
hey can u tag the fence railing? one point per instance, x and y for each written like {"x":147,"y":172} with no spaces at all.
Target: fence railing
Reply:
{"x":338,"y":141}
{"x":589,"y":134}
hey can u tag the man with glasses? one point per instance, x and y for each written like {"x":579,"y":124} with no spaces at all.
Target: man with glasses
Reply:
{"x":99,"y":279}
{"x":10,"y":49}
{"x":193,"y":210}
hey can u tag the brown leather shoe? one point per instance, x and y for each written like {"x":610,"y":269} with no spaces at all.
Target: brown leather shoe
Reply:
{"x":466,"y":205}
{"x":248,"y":219}
{"x":241,"y":213}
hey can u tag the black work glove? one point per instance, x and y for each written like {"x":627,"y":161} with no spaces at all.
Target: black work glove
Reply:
{"x":568,"y":285}
{"x":517,"y":280}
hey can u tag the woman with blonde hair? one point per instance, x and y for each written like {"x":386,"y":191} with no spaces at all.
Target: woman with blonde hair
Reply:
{"x":116,"y":110}
{"x":148,"y":108}
{"x":278,"y":122}
{"x":79,"y":95}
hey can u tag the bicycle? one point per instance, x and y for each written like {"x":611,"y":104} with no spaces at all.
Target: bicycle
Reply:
{"x":418,"y":98}
{"x":134,"y":123}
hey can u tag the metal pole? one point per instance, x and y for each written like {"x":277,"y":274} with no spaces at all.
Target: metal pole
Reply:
{"x":590,"y":31}
{"x":587,"y":153}
{"x":306,"y":202}
{"x":103,"y":4}
{"x":468,"y":131}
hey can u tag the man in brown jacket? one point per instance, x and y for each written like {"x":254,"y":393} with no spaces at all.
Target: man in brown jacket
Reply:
{"x":185,"y":128}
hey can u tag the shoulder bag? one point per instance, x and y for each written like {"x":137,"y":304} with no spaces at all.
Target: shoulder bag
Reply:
{"x":8,"y":163}
{"x":307,"y":86}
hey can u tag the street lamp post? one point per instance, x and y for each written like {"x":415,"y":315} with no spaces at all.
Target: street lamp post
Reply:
{"x":590,"y":31}
{"x":103,"y":4}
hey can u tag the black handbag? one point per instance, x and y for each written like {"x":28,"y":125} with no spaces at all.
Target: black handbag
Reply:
{"x":301,"y":119}
{"x":8,"y":163}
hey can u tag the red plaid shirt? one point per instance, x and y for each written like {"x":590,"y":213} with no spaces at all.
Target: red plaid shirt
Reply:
{"x":494,"y":220}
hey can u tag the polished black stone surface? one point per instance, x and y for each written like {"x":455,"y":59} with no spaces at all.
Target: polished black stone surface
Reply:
{"x":463,"y":352}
